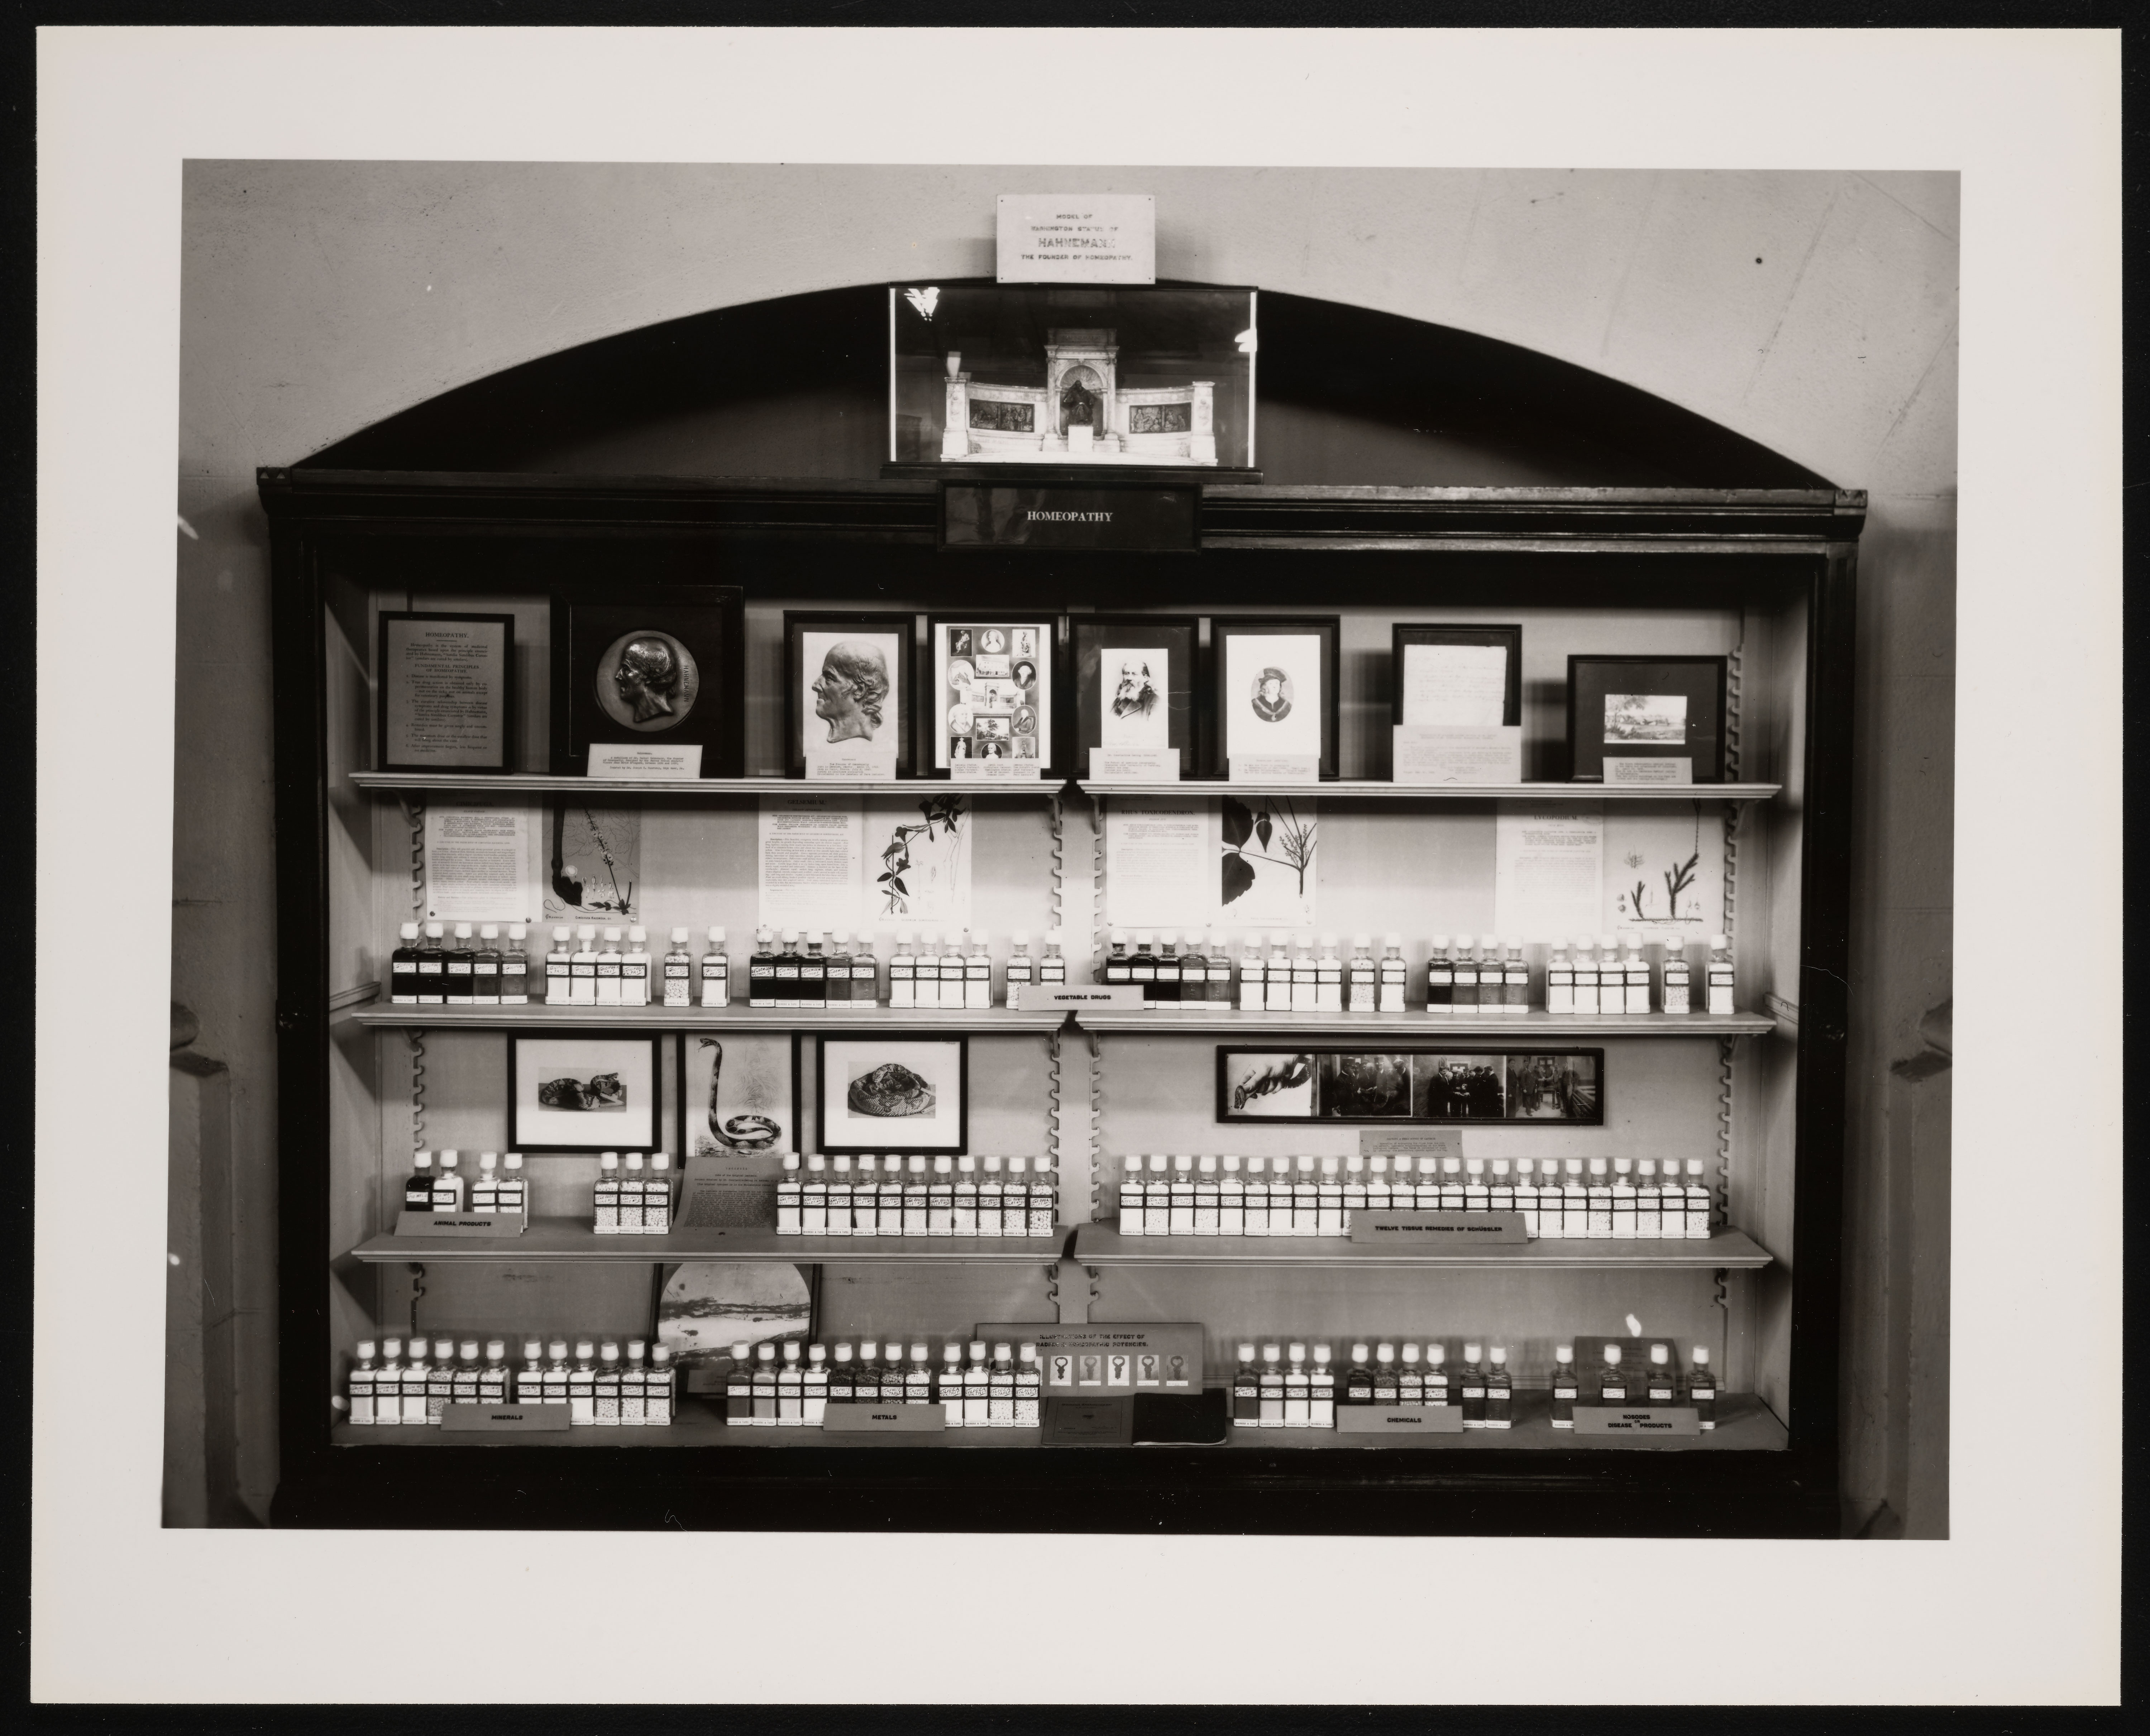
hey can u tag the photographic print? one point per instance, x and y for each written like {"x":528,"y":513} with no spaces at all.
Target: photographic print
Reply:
{"x":1459,"y":1087}
{"x":1355,"y":1086}
{"x":1645,"y":717}
{"x":648,"y":666}
{"x":1274,"y":695}
{"x":991,"y":682}
{"x":738,"y":1094}
{"x":1646,"y":708}
{"x":1134,"y":677}
{"x":1264,"y":1085}
{"x":584,"y":1092}
{"x":707,"y":1307}
{"x":1553,"y":1087}
{"x":879,"y":1095}
{"x":594,"y":861}
{"x":1456,"y":674}
{"x":849,"y":707}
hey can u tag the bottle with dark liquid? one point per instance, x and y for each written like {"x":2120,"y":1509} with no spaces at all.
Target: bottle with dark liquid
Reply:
{"x":788,"y":971}
{"x":1141,"y":968}
{"x":1661,"y":1378}
{"x":1564,"y":1387}
{"x":1702,"y":1389}
{"x":1440,"y":978}
{"x":1611,"y":1379}
{"x":843,"y":1386}
{"x":813,"y":975}
{"x":1358,"y":1378}
{"x":432,"y":967}
{"x":403,"y":967}
{"x":1171,"y":972}
{"x":761,"y":970}
{"x":1465,"y":971}
{"x":1500,"y":1391}
{"x":1119,"y":967}
{"x":418,"y":1186}
{"x":1473,"y":1387}
{"x":1247,"y":1390}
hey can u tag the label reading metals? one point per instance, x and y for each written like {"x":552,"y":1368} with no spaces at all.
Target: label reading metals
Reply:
{"x":884,"y":1420}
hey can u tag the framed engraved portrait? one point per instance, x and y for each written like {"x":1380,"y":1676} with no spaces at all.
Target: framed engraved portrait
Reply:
{"x":847,"y":695}
{"x":1667,"y":711}
{"x":1133,"y":682}
{"x":992,"y":686}
{"x":658,"y":667}
{"x":1274,"y":692}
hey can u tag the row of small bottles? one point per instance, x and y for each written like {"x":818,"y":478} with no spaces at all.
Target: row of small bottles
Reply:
{"x":632,"y":1197}
{"x":959,"y":976}
{"x":1276,"y":1393}
{"x":1598,"y":1198}
{"x":1485,"y":978}
{"x":437,"y":1183}
{"x":599,"y":1388}
{"x":764,"y":1391}
{"x":895,"y":1196}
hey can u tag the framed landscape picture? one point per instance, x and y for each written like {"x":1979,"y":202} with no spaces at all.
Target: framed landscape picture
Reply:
{"x":1633,"y":709}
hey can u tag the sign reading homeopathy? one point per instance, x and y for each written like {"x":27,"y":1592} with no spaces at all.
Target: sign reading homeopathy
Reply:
{"x":975,"y":515}
{"x":1078,"y":238}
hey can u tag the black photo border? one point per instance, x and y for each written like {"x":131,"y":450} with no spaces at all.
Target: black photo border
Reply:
{"x":1331,"y":628}
{"x":1416,"y":1046}
{"x":796,"y":624}
{"x":591,"y":1033}
{"x":682,"y":1145}
{"x":1442,"y":632}
{"x":1079,"y":741}
{"x":962,"y":1044}
{"x":1585,"y":760}
{"x":721,"y":736}
{"x":1054,"y":768}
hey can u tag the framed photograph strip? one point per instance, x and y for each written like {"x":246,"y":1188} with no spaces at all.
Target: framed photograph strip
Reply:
{"x":1622,"y":711}
{"x":892,"y":1094}
{"x":444,"y":692}
{"x":992,"y":687}
{"x":1456,"y":674}
{"x":585,"y":1091}
{"x":738,"y":1094}
{"x":1133,"y":682}
{"x":1274,"y":693}
{"x":847,"y":699}
{"x":658,"y":668}
{"x":1449,"y":1086}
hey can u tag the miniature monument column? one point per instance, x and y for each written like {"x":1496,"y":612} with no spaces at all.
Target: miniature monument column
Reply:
{"x":956,"y":430}
{"x":1202,"y":440}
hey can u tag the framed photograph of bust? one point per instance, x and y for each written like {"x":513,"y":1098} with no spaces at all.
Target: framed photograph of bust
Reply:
{"x":1274,"y":693}
{"x":992,"y":687}
{"x":848,"y":702}
{"x":654,"y":666}
{"x":1133,"y":678}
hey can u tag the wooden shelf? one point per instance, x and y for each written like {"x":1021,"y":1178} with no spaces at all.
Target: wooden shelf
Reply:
{"x":541,"y":1017}
{"x":536,"y":784}
{"x":1381,"y":789}
{"x":1744,"y":1424}
{"x":571,"y":1239}
{"x":1531,"y":1027}
{"x":1098,"y":1245}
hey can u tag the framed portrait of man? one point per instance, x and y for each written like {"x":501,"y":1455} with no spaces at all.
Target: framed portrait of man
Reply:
{"x":1275,"y":695}
{"x":652,"y":667}
{"x":1133,"y":685}
{"x":988,"y":685}
{"x":847,"y":698}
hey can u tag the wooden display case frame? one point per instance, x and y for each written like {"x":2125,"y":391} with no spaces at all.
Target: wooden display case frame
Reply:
{"x":1386,"y":547}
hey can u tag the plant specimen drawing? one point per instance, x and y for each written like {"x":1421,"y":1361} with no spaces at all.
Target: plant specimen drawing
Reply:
{"x":1634,"y":903}
{"x":942,"y":816}
{"x":1273,"y":827}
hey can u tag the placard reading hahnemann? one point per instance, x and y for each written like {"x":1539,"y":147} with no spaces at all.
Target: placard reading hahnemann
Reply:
{"x":444,"y":691}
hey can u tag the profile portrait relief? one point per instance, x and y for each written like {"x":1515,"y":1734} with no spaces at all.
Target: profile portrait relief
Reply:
{"x":1024,"y":673}
{"x":1272,"y":695}
{"x":850,"y":689}
{"x":1136,"y":694}
{"x":647,"y":681}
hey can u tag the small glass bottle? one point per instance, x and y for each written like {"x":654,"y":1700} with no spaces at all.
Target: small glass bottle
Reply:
{"x":1354,"y":1190}
{"x":916,"y":1191}
{"x":1598,"y":1203}
{"x":940,"y":1197}
{"x":512,"y":1195}
{"x":448,"y":1184}
{"x":1157,"y":1197}
{"x":1053,"y":968}
{"x":765,"y":1387}
{"x":1661,"y":1378}
{"x":917,"y":1376}
{"x":790,"y":1195}
{"x":1142,"y":967}
{"x":1246,"y":1390}
{"x":403,"y":984}
{"x":1702,"y":1389}
{"x":1635,"y":971}
{"x":554,"y":1383}
{"x":493,"y":1379}
{"x":1329,"y":1198}
{"x":1000,"y":1389}
{"x":813,"y":1388}
{"x":1698,"y":1203}
{"x":560,"y":968}
{"x":1611,"y":977}
{"x":1611,"y":1379}
{"x":1625,"y":1215}
{"x":1305,"y":977}
{"x":1515,"y":980}
{"x":358,"y":1383}
{"x":515,"y":967}
{"x":1272,"y":1387}
{"x":660,"y":1398}
{"x":1329,"y":977}
{"x":1358,"y":1378}
{"x":1500,"y":1390}
{"x":1119,"y":968}
{"x":1411,"y":1378}
{"x":1133,"y":1209}
{"x":865,"y":971}
{"x":610,"y":972}
{"x":813,"y":1196}
{"x":1453,"y":1197}
{"x":1276,"y":975}
{"x":1217,"y":975}
{"x":418,"y":1185}
{"x":786,"y":968}
{"x":1440,"y":978}
{"x":1231,"y":1199}
{"x":1560,"y":981}
{"x":1387,"y":1391}
{"x":582,"y":966}
{"x":485,"y":966}
{"x":605,"y":1389}
{"x":760,"y":971}
{"x":1439,"y":1389}
{"x":657,"y":1195}
{"x":1472,"y":1389}
{"x":1166,"y":994}
{"x":1574,"y":1203}
{"x":1720,"y":976}
{"x":977,"y":1388}
{"x":978,"y":972}
{"x":903,"y":972}
{"x":925,"y":971}
{"x":1676,"y":982}
{"x":1380,"y":1197}
{"x":1180,"y":1210}
{"x":1477,"y":1195}
{"x":1021,"y":973}
{"x":992,"y":1191}
{"x":1297,"y":1395}
{"x":460,"y":968}
{"x":1321,"y":1392}
{"x":716,"y":967}
{"x":1043,"y":1213}
{"x":679,"y":968}
{"x":1500,"y":1187}
{"x":790,"y":1388}
{"x":1586,"y":977}
{"x":1563,"y":1388}
{"x":843,"y":1386}
{"x":814,"y":975}
{"x":604,"y":1196}
{"x":432,"y":966}
{"x":1465,"y":970}
{"x":1205,"y":1198}
{"x":582,"y":1385}
{"x":1253,"y":995}
{"x":485,"y":1185}
{"x":630,"y":1194}
{"x":634,"y":968}
{"x":1255,"y":1207}
{"x":1028,"y":1386}
{"x":441,"y":1380}
{"x":963,"y":1198}
{"x":1649,"y":1202}
{"x":866,"y":1375}
{"x":1394,"y":974}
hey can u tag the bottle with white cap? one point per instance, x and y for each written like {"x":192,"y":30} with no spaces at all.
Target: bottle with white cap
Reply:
{"x":951,"y":971}
{"x":1043,"y":1210}
{"x":1387,"y":1389}
{"x":403,"y":976}
{"x":512,"y":1191}
{"x":418,"y":1185}
{"x":610,"y":970}
{"x":1231,"y":1199}
{"x":1698,"y":1203}
{"x":764,"y":1386}
{"x":1363,"y":987}
{"x":1169,"y":973}
{"x":978,"y":972}
{"x":1029,"y":1382}
{"x":1053,"y":968}
{"x":1272,"y":1386}
{"x":1329,"y":1198}
{"x":788,"y":961}
{"x":1720,"y":976}
{"x":630,"y":1194}
{"x":1000,"y":1387}
{"x":1612,"y":978}
{"x":678,"y":969}
{"x":1214,"y":990}
{"x":716,"y":970}
{"x":940,"y":1197}
{"x":813,"y":1196}
{"x":761,"y":970}
{"x":1702,"y":1389}
{"x":1439,"y":1385}
{"x":1118,"y":966}
{"x":1246,"y":1390}
{"x":1661,"y":1378}
{"x":1500,"y":1390}
{"x":1440,"y":978}
{"x":814,"y":974}
{"x":485,"y":966}
{"x":493,"y":1380}
{"x":634,"y":969}
{"x":837,"y":989}
{"x":1473,"y":1387}
{"x":582,"y":966}
{"x":790,"y":1202}
{"x":1305,"y":977}
{"x":738,"y":1387}
{"x":1598,"y":1205}
{"x":1626,"y":1203}
{"x":916,"y":1195}
{"x":440,"y":1381}
{"x":1321,"y":1392}
{"x":1298,"y":1391}
{"x":1565,"y":1390}
{"x":1611,"y":1379}
{"x":605,"y":1390}
{"x":1514,"y":980}
{"x":485,"y":1185}
{"x":604,"y":1196}
{"x":633,"y":1396}
{"x":1635,"y":971}
{"x":448,"y":1184}
{"x":1465,"y":971}
{"x":977,"y":1388}
{"x":1132,"y":1206}
{"x":1142,"y":966}
{"x":1329,"y":977}
{"x":359,"y":1385}
{"x":1676,"y":989}
{"x":459,"y":964}
{"x":1276,"y":972}
{"x":560,"y":968}
{"x":926,"y":971}
{"x":865,"y":971}
{"x":432,"y":966}
{"x":582,"y":1384}
{"x":1585,"y":972}
{"x":903,"y":972}
{"x":1205,"y":1196}
{"x":1393,"y":974}
{"x":790,"y":1388}
{"x":1021,"y":970}
{"x":963,"y":1198}
{"x":515,"y":967}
